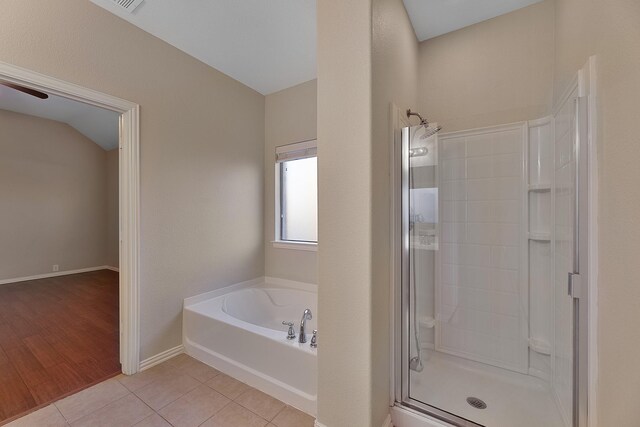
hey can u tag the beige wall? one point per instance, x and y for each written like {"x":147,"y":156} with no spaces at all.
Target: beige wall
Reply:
{"x":53,"y":183}
{"x":364,"y":64}
{"x":290,"y":116}
{"x":345,"y":395}
{"x":202,"y":145}
{"x":610,"y":29}
{"x":395,"y":80}
{"x":494,"y":72}
{"x":113,"y":234}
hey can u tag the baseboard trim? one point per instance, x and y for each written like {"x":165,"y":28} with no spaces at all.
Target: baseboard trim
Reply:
{"x":161,"y":357}
{"x":386,"y":423}
{"x":116,"y":269}
{"x":55,"y":274}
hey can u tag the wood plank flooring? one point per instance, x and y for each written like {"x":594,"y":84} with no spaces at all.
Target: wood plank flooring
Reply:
{"x":57,"y":336}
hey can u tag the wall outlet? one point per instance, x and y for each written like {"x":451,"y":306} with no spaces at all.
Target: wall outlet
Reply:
{"x":56,"y":267}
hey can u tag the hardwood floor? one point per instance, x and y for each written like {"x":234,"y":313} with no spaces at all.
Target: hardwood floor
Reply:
{"x":57,"y":336}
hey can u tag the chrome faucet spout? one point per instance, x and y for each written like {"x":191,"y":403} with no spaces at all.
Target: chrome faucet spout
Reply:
{"x":302,"y":338}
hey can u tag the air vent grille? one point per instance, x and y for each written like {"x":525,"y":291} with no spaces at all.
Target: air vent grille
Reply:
{"x":129,"y":5}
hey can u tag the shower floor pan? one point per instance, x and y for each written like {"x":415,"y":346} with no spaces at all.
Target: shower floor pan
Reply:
{"x":511,"y":399}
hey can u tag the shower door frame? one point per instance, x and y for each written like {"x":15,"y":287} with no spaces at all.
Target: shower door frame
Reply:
{"x":400,"y":294}
{"x":585,"y":245}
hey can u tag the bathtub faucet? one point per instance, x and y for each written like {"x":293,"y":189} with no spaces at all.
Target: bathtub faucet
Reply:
{"x":302,"y":338}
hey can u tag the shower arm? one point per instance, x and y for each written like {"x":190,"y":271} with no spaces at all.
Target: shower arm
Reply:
{"x":423,"y":121}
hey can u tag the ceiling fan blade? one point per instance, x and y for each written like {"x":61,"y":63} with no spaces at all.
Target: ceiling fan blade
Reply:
{"x":27,"y":90}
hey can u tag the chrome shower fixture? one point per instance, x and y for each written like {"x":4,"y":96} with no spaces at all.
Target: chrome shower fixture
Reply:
{"x":418,"y":152}
{"x":428,"y":130}
{"x":423,"y":121}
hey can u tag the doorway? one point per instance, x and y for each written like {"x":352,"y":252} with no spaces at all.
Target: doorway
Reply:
{"x":127,"y":153}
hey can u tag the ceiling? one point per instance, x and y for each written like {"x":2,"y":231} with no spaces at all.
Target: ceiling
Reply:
{"x":97,"y":124}
{"x":268,"y":45}
{"x":432,"y":18}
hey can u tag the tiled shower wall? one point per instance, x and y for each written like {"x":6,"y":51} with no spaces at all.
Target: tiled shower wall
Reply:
{"x":481,"y":296}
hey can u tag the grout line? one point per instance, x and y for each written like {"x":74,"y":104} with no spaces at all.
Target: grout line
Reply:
{"x":217,"y":412}
{"x":258,"y":415}
{"x":97,"y":409}
{"x":276,"y":415}
{"x":102,"y":407}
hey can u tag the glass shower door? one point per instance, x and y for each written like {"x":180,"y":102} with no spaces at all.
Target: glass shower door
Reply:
{"x":483,"y":245}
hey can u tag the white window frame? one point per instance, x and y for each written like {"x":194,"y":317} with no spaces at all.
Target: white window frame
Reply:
{"x":295,"y":151}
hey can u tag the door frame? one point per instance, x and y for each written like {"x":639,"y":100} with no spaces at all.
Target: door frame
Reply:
{"x":129,"y":196}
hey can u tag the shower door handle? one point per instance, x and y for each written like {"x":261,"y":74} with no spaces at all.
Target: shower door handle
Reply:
{"x":574,"y":285}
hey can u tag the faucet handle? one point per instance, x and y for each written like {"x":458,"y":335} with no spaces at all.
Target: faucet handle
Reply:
{"x":291,"y":333}
{"x":314,"y":339}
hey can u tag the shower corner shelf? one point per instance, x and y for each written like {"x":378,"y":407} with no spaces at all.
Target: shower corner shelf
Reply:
{"x":542,"y":237}
{"x":540,"y":346}
{"x":424,"y":247}
{"x":428,"y":322}
{"x":540,"y":187}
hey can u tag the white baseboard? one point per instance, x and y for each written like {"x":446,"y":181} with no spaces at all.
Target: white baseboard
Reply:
{"x":386,"y":423}
{"x":161,"y":357}
{"x":54,"y":274}
{"x":116,"y":269}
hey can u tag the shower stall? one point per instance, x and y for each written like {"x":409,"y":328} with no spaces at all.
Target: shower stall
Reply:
{"x":490,"y":266}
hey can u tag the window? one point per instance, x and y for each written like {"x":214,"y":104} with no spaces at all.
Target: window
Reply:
{"x":297,"y":193}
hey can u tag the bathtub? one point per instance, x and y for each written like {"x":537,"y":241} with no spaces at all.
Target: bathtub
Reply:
{"x":238,"y":330}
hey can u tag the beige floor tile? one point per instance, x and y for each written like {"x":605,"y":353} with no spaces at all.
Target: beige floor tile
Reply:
{"x":144,"y":378}
{"x":154,"y":420}
{"x":164,"y":391}
{"x":178,"y":359}
{"x":291,"y":417}
{"x":194,"y":408}
{"x":188,"y":365}
{"x":49,"y":416}
{"x":87,"y":401}
{"x":227,"y":385}
{"x":125,"y":411}
{"x":234,"y":415}
{"x":260,"y":403}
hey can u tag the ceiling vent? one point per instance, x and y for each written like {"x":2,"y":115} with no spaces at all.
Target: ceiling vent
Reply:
{"x":128,"y":5}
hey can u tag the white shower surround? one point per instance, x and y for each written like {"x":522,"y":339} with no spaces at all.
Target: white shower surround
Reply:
{"x":238,"y":330}
{"x":481,"y":288}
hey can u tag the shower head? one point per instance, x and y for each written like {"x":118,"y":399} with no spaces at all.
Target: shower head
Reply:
{"x":428,"y":130}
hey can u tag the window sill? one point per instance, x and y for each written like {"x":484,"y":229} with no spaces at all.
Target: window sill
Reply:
{"x":299,"y":246}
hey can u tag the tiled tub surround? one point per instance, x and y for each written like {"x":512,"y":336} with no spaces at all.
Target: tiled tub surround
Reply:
{"x":239,"y":331}
{"x":179,"y":392}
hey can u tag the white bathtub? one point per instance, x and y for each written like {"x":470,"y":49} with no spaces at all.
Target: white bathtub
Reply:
{"x":238,"y":330}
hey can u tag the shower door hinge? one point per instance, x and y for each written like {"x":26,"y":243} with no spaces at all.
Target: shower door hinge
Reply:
{"x":575,"y":285}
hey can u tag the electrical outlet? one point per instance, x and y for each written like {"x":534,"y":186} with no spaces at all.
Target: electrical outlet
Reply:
{"x":56,"y":267}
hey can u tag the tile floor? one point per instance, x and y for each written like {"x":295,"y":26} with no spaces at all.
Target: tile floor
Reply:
{"x":179,"y":392}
